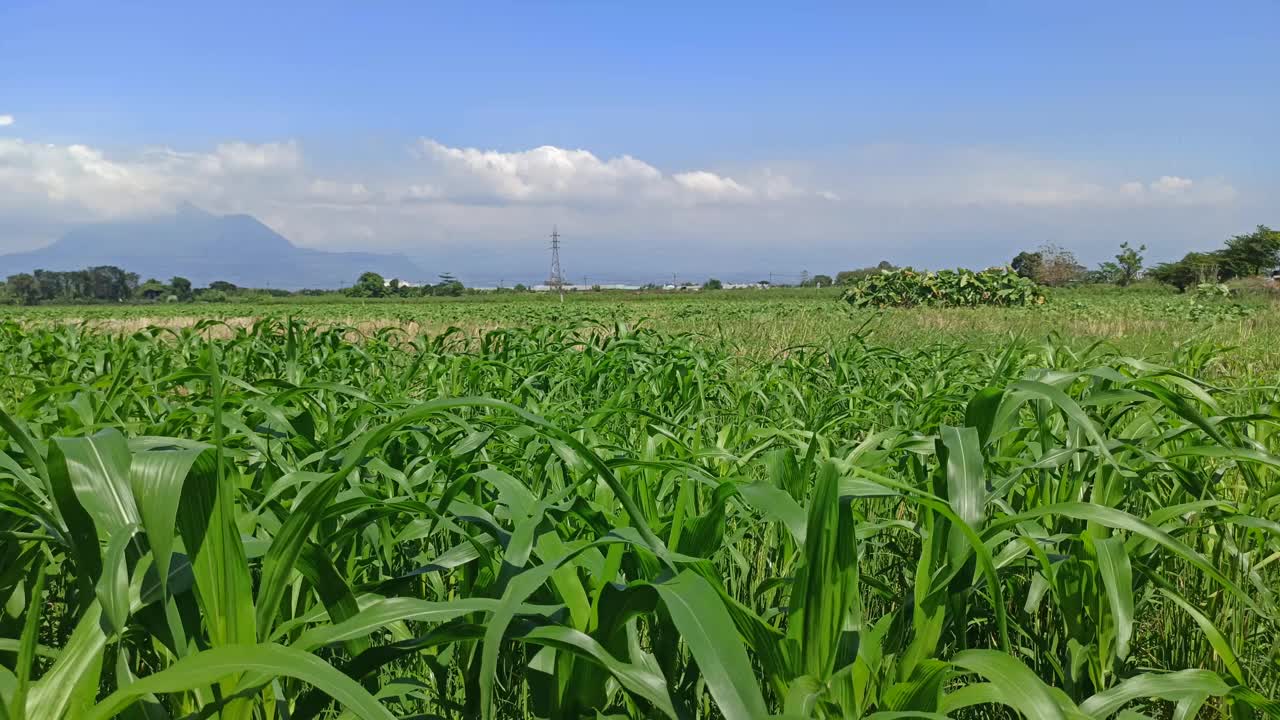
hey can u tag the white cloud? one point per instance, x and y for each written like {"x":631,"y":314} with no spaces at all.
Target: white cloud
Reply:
{"x":78,"y":182}
{"x":453,"y":200}
{"x":340,"y":193}
{"x":550,"y":174}
{"x":6,"y":120}
{"x":266,"y":158}
{"x":922,"y":177}
{"x":1171,"y":185}
{"x":710,"y":185}
{"x":1175,"y":190}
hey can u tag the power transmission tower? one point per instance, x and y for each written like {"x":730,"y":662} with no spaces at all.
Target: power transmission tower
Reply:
{"x":804,"y":278}
{"x":556,"y":281}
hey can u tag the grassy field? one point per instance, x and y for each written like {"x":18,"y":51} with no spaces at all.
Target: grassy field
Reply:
{"x":732,"y":505}
{"x":1144,"y":320}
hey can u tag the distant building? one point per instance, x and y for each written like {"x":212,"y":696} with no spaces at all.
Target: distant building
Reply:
{"x":403,"y":283}
{"x":586,"y":288}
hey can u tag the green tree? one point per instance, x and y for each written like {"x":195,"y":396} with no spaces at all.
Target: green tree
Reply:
{"x":1253,"y":254}
{"x":181,"y":287}
{"x":108,"y":282}
{"x":152,"y":289}
{"x":1128,"y":263}
{"x":1193,"y":269}
{"x":1107,"y":272}
{"x":712,"y":284}
{"x":370,"y":285}
{"x":222,"y":286}
{"x":24,"y":287}
{"x":822,"y":281}
{"x":1027,"y":264}
{"x":448,"y":286}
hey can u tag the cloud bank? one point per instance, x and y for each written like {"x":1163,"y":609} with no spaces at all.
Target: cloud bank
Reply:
{"x":436,"y":200}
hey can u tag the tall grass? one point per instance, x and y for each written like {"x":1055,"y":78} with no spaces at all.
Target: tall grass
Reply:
{"x":284,"y":522}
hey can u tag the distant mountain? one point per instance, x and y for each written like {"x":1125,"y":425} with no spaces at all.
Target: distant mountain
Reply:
{"x":204,"y":247}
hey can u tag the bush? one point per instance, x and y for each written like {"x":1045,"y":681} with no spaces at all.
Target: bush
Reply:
{"x":945,"y":288}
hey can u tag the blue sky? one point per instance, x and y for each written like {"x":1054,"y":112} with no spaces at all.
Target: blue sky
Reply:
{"x":717,"y":137}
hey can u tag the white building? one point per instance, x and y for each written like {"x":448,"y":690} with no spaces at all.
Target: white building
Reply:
{"x":586,"y":288}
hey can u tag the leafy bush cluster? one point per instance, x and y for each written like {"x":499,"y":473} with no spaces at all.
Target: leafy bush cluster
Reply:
{"x":945,"y":288}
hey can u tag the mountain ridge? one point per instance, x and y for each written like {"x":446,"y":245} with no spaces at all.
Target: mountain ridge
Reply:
{"x":204,"y":247}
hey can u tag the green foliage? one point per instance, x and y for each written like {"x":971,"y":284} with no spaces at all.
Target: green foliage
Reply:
{"x":181,"y":287}
{"x":152,"y":289}
{"x":449,"y":286}
{"x":105,"y":283}
{"x":712,"y":284}
{"x":1128,"y":264}
{"x":369,"y":285}
{"x":1027,"y":264}
{"x":845,"y":277}
{"x":1253,"y":254}
{"x":583,"y":519}
{"x":1195,"y":268}
{"x":945,"y":288}
{"x":24,"y":288}
{"x":1256,"y":253}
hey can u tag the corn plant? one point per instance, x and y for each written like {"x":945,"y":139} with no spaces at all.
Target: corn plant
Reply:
{"x":286,"y":521}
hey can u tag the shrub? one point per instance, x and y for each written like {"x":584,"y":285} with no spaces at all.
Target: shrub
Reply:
{"x":945,"y":288}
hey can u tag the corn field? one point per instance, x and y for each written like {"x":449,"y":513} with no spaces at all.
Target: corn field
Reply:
{"x":284,"y":522}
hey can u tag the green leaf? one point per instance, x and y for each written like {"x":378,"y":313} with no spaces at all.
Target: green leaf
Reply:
{"x":158,"y":472}
{"x":27,"y":649}
{"x":648,"y":684}
{"x":966,"y":486}
{"x":706,"y":628}
{"x":1215,"y":637}
{"x":210,"y":666}
{"x":98,"y":468}
{"x":113,"y":586}
{"x":1117,"y":578}
{"x":206,"y":520}
{"x":824,"y":597}
{"x":1174,"y":686}
{"x":1013,"y":684}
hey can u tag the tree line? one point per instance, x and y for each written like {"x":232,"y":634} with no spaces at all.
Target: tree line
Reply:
{"x":1251,"y":254}
{"x":373,"y":285}
{"x":1256,"y":253}
{"x":108,"y":283}
{"x":1248,"y":255}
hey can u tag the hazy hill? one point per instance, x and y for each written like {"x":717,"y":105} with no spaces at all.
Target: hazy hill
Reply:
{"x":204,"y":247}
